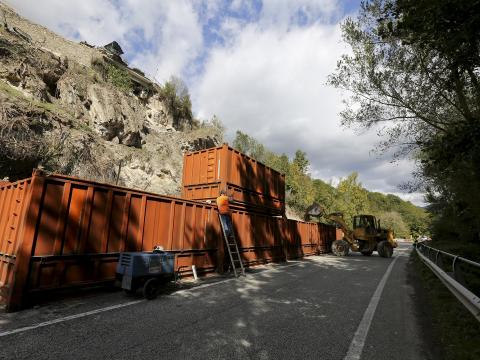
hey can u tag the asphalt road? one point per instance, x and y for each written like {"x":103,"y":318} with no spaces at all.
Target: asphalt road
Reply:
{"x":324,"y":307}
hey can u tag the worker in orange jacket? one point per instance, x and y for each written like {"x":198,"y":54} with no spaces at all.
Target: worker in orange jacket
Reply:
{"x":223,"y":205}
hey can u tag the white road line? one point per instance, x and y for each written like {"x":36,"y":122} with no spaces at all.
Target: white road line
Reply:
{"x":358,"y":342}
{"x":67,"y":318}
{"x":118,"y":306}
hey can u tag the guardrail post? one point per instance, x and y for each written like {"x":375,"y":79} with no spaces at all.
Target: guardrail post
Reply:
{"x":453,"y":267}
{"x":440,"y":260}
{"x":457,"y":272}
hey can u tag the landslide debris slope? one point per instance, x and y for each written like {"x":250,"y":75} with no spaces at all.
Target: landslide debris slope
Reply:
{"x":79,"y":110}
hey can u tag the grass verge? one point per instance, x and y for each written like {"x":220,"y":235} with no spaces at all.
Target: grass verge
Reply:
{"x":454,"y":328}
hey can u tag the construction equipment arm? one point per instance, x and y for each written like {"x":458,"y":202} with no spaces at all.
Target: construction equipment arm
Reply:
{"x":347,"y":233}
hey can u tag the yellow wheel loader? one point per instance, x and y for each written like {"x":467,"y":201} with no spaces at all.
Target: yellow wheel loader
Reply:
{"x":366,"y":237}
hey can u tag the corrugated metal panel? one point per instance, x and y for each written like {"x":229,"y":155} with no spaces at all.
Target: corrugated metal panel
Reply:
{"x":202,"y":167}
{"x":242,"y":198}
{"x":58,"y":231}
{"x":76,"y":228}
{"x":304,"y":239}
{"x":327,"y":236}
{"x":259,"y":237}
{"x":206,"y":172}
{"x":13,"y":205}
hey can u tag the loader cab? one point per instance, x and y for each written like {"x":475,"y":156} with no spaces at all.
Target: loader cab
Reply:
{"x":367,"y":222}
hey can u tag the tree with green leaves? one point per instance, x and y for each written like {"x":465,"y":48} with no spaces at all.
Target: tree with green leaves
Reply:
{"x":413,"y":73}
{"x":175,"y":94}
{"x":352,"y":198}
{"x":301,"y":161}
{"x":393,"y":220}
{"x":298,"y":184}
{"x":250,"y":146}
{"x":348,"y":196}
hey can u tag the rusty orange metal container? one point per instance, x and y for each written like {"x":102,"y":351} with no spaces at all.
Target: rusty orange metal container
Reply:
{"x":252,"y":185}
{"x":14,"y":199}
{"x":327,"y":237}
{"x":58,"y":231}
{"x":259,"y":237}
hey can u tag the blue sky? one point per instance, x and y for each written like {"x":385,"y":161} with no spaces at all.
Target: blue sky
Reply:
{"x":261,"y":66}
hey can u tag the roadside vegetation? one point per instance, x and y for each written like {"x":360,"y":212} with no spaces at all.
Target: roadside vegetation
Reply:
{"x":454,"y":328}
{"x":348,"y":196}
{"x":118,"y":77}
{"x":413,"y":74}
{"x":176,"y":96}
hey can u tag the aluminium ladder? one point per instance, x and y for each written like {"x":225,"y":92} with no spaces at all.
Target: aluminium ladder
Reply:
{"x":232,"y":248}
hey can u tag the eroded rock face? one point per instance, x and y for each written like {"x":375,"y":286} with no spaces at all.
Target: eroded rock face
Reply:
{"x":156,"y":114}
{"x":115,"y":116}
{"x":90,"y":128}
{"x":36,"y":76}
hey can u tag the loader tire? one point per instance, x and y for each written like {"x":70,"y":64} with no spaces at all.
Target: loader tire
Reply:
{"x":367,"y":253}
{"x":340,"y":248}
{"x":385,"y":249}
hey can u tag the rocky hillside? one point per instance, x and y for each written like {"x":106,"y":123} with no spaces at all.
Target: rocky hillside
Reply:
{"x":76,"y":109}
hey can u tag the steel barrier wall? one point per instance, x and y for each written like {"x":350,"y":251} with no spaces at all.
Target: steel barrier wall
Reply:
{"x":259,"y":237}
{"x":69,"y":232}
{"x":58,"y":231}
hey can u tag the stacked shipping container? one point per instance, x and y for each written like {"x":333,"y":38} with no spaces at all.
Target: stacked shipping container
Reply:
{"x":58,"y":231}
{"x":253,"y":186}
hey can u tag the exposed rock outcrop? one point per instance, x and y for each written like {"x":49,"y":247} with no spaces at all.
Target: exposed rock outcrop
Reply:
{"x":67,"y":107}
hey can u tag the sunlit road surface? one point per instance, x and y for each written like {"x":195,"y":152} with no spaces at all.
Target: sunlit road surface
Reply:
{"x":324,"y":307}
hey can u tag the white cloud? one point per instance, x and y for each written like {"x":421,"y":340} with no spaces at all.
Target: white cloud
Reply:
{"x":285,"y":12}
{"x":175,"y":42}
{"x":265,"y":77}
{"x":269,"y":81}
{"x":162,"y":38}
{"x":97,"y":21}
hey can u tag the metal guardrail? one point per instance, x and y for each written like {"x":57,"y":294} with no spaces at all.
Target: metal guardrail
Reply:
{"x":452,"y":280}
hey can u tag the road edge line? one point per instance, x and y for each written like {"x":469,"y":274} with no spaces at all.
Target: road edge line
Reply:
{"x":358,"y":341}
{"x":118,"y":306}
{"x":68,"y":318}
